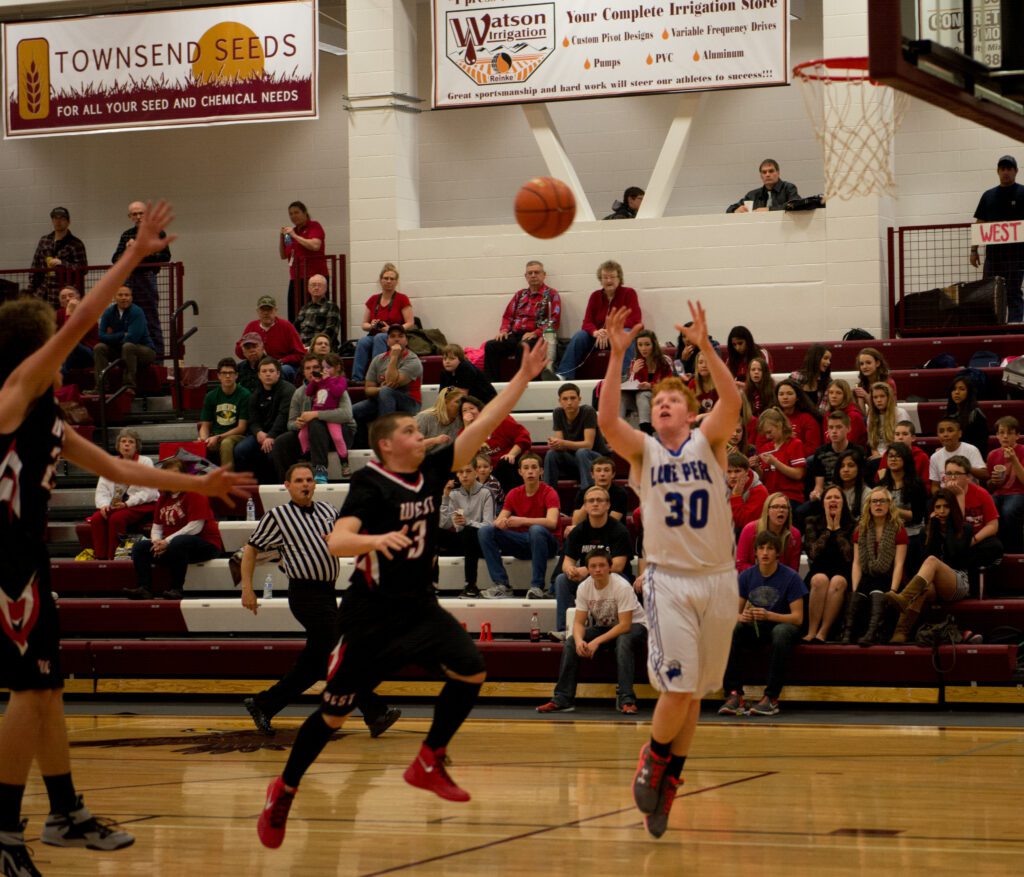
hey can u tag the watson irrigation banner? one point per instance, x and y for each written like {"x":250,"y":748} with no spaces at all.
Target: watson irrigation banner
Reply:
{"x":511,"y":51}
{"x":209,"y":65}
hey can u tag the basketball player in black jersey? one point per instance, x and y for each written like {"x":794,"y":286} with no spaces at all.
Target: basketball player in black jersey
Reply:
{"x":32,"y":439}
{"x":390,"y":616}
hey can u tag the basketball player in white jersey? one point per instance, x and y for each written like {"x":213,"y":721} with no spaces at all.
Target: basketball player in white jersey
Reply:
{"x":690,"y":586}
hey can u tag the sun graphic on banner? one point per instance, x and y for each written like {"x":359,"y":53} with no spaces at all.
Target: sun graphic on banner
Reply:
{"x":228,"y":52}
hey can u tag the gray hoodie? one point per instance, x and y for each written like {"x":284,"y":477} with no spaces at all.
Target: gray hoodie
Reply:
{"x":477,"y":506}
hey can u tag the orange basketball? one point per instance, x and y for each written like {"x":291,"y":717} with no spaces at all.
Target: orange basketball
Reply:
{"x":545,"y":207}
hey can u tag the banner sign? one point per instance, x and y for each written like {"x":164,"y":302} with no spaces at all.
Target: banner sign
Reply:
{"x":989,"y":233}
{"x":512,"y":51}
{"x":209,"y":65}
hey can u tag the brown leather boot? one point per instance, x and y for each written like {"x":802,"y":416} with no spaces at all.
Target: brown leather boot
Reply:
{"x":853,"y":609}
{"x":908,"y":618}
{"x":875,"y":621}
{"x":904,"y":598}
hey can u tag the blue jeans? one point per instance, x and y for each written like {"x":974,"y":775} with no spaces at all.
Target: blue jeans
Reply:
{"x":565,"y":597}
{"x":576,"y":462}
{"x":1011,"y":521}
{"x":579,"y":349}
{"x":367,"y":348}
{"x":79,"y":357}
{"x":387,"y":401}
{"x":628,"y":647}
{"x":250,"y":457}
{"x":288,"y":372}
{"x":537,"y":545}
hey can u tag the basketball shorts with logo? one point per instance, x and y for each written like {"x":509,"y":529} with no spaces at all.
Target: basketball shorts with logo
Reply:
{"x":29,"y":632}
{"x":375,"y":644}
{"x":690,"y":621}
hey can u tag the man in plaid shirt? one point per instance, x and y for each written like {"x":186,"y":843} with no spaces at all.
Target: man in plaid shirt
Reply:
{"x":319,"y":315}
{"x":530,"y":312}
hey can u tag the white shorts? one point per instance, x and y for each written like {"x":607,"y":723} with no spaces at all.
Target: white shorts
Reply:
{"x":690,"y":620}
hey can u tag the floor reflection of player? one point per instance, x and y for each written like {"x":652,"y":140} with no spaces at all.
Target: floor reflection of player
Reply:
{"x":690,"y":587}
{"x":390,"y":616}
{"x":32,"y":439}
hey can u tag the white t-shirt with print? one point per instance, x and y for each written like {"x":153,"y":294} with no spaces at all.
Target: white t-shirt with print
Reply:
{"x":603,"y":606}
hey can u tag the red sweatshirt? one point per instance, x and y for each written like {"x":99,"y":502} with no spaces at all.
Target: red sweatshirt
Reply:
{"x":280,"y":341}
{"x":506,"y":436}
{"x":748,"y":506}
{"x":598,"y":307}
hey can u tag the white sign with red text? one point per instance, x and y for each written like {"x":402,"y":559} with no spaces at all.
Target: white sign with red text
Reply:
{"x":516,"y":51}
{"x":989,"y":233}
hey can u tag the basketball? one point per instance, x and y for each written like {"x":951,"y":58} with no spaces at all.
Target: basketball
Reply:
{"x":545,"y":207}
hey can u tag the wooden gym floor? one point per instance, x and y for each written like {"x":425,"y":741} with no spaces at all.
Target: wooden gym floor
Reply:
{"x":550,"y":797}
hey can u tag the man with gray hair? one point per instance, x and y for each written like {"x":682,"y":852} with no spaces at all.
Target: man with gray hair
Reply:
{"x":533,"y":310}
{"x":142,"y":281}
{"x":319,"y":315}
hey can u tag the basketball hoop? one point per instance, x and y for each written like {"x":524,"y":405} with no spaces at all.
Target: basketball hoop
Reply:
{"x":855,"y":120}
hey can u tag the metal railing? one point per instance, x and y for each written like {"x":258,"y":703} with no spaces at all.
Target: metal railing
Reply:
{"x":929,"y":273}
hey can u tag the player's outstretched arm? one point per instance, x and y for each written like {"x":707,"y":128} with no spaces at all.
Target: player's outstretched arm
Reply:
{"x":473,"y":436}
{"x":346,"y":540}
{"x":627,"y":442}
{"x":720,"y":423}
{"x":35,"y":375}
{"x":220,"y":482}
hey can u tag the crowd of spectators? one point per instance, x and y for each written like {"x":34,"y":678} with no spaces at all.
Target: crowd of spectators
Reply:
{"x":817,"y":467}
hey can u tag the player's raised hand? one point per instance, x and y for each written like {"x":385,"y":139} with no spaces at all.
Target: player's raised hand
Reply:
{"x":535,"y":359}
{"x":618,"y":336}
{"x":158,"y":217}
{"x":225,"y":484}
{"x":396,"y":540}
{"x":697,"y":332}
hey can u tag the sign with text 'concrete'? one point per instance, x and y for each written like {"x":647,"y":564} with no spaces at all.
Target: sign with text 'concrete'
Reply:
{"x":512,"y":51}
{"x":202,"y":66}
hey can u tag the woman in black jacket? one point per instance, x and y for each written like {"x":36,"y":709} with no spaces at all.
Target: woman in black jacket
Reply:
{"x":828,"y":540}
{"x":944,"y":571}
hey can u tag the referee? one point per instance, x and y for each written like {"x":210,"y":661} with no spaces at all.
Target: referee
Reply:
{"x":299,"y":530}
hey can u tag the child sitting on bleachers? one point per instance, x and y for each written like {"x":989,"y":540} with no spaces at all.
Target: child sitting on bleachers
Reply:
{"x":962,"y":404}
{"x":1006,"y":468}
{"x":457,"y":371}
{"x":759,"y":386}
{"x":326,"y":390}
{"x":464,"y":510}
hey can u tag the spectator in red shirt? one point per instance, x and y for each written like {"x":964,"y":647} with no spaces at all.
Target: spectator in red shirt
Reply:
{"x":610,"y":296}
{"x":506,"y":443}
{"x":280,"y":338}
{"x":740,"y":349}
{"x":801,"y":413}
{"x":747,"y":494}
{"x":184,"y":532}
{"x":839,"y":397}
{"x":525,"y":528}
{"x":649,"y":367}
{"x":780,"y":456}
{"x":979,"y":511}
{"x":533,"y":310}
{"x":302,"y":244}
{"x":1006,"y":463}
{"x":382,"y":309}
{"x":776,"y":517}
{"x":904,"y":434}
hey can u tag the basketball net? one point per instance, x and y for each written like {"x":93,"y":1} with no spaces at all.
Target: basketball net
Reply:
{"x":855,"y":120}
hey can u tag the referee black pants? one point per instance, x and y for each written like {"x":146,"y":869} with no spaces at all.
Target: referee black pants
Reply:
{"x":315,"y":607}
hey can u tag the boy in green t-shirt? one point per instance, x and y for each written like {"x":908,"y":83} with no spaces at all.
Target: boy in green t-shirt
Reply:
{"x":225,"y":416}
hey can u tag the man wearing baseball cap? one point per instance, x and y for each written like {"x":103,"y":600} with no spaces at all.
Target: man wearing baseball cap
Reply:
{"x":249,"y":366}
{"x":280,"y":338}
{"x":57,"y":256}
{"x":1004,"y":203}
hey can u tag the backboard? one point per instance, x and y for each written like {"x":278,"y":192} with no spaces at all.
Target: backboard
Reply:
{"x":922,"y":47}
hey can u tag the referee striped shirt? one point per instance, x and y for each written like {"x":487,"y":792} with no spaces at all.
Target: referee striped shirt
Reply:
{"x":300,"y":534}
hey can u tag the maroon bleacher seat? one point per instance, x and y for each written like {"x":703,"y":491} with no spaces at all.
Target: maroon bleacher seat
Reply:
{"x":929,"y":414}
{"x":98,"y":577}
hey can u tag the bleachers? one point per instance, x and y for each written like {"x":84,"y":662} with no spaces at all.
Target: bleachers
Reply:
{"x":208,"y":633}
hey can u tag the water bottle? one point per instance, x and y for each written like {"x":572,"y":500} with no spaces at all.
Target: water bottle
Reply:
{"x":268,"y":587}
{"x":250,"y":510}
{"x":534,"y":628}
{"x":287,"y":240}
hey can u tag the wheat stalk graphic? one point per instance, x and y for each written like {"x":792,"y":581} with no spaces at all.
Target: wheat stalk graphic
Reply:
{"x":33,"y":91}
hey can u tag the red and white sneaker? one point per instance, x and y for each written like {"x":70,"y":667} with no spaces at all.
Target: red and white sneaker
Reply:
{"x":428,"y":771}
{"x":656,"y":823}
{"x":274,"y":818}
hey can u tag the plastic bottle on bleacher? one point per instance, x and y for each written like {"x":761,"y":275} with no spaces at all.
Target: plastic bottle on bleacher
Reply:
{"x":250,"y":510}
{"x":534,"y":628}
{"x":268,"y":587}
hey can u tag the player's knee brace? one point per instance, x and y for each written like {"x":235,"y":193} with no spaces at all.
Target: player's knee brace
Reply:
{"x":337,"y":705}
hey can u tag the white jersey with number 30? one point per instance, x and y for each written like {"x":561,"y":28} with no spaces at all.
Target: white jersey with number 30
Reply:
{"x":686,"y":515}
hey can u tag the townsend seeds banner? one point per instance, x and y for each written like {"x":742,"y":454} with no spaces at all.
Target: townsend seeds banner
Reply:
{"x":211,"y":65}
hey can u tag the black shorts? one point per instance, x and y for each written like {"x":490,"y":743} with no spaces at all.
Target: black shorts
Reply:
{"x":375,"y":644}
{"x":30,"y":637}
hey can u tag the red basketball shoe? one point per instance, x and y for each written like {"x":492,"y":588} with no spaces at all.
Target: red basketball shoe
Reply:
{"x":274,"y":818}
{"x":428,"y":772}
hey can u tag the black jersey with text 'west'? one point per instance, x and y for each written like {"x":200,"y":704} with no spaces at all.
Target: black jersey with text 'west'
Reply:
{"x":28,"y":460}
{"x":386,"y":501}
